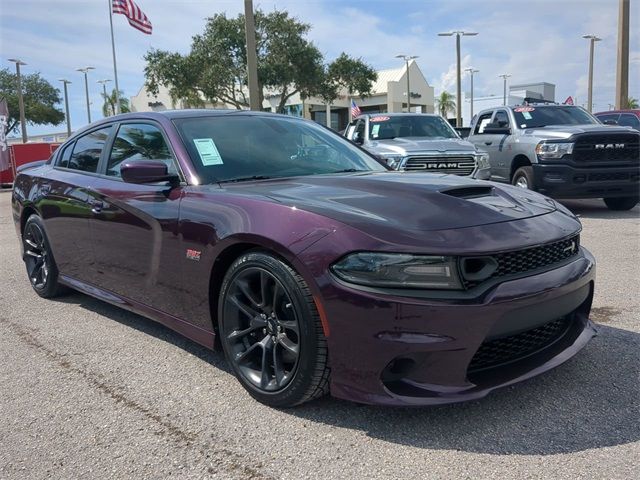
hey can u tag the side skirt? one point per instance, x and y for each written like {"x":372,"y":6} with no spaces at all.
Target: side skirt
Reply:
{"x":199,"y":335}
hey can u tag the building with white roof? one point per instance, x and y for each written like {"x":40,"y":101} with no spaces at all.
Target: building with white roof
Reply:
{"x":389,"y":94}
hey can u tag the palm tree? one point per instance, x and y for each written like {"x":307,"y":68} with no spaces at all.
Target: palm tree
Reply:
{"x":632,"y":102}
{"x":109,"y":105}
{"x":445,"y":103}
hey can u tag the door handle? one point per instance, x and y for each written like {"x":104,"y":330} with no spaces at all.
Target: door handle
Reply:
{"x":488,"y":143}
{"x":96,"y":206}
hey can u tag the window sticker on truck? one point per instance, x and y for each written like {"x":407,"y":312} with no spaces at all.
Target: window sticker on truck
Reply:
{"x":379,"y":119}
{"x":374,"y":131}
{"x":526,"y":115}
{"x":523,"y":109}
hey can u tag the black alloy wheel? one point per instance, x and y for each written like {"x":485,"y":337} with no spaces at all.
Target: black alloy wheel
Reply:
{"x":38,"y":259}
{"x":271,"y":333}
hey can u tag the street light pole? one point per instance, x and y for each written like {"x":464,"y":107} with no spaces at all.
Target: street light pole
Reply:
{"x":407,"y":59}
{"x":104,"y":91}
{"x":23,"y":123}
{"x":66,"y":106}
{"x":471,"y":72}
{"x":592,"y":41}
{"x":252,"y":57}
{"x":458,"y":34}
{"x":504,"y":88}
{"x":85,"y":70}
{"x":622,"y":68}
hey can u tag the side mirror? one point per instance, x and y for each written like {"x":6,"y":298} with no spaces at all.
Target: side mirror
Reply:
{"x":496,"y":129}
{"x":146,"y":171}
{"x":357,"y":139}
{"x":610,"y":121}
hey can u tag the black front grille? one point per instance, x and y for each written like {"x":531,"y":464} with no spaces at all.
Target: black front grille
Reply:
{"x":451,"y":165}
{"x":521,"y":261}
{"x":610,"y":176}
{"x":496,"y":352}
{"x":609,"y":148}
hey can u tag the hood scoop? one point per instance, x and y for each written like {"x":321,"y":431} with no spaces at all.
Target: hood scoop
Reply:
{"x":469,"y":192}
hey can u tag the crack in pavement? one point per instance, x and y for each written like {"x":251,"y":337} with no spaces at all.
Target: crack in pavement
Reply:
{"x":181,"y":438}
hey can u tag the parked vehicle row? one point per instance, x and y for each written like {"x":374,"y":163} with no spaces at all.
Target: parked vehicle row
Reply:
{"x":313,"y":266}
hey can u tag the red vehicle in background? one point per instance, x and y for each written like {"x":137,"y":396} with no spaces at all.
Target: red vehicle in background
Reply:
{"x":23,"y":153}
{"x":624,"y":118}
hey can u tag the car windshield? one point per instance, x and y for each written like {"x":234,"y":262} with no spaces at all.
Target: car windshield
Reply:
{"x":226,"y":148}
{"x":385,"y":127}
{"x":534,"y":117}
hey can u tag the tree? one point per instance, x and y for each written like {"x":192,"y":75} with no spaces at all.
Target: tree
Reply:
{"x":215,"y":68}
{"x":445,"y":103}
{"x":40,"y":99}
{"x":348,"y":73}
{"x":109,"y":105}
{"x":631,"y":103}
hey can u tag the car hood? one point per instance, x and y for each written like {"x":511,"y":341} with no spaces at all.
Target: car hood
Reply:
{"x":411,"y":145}
{"x":402,"y":202}
{"x":566,"y":131}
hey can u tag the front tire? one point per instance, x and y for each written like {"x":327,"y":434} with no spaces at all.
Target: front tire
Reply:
{"x":621,"y":203}
{"x":271,"y":333}
{"x":38,"y":259}
{"x":523,"y":178}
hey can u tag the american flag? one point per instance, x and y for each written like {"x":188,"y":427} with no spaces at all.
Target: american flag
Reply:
{"x":355,"y":110}
{"x":135,"y":16}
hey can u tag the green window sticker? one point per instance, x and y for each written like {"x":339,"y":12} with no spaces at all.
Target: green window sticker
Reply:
{"x":209,"y":154}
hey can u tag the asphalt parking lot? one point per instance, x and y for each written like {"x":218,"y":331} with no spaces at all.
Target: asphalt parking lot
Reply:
{"x":91,"y":391}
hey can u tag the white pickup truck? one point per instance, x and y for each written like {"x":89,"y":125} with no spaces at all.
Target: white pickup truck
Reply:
{"x":418,"y":142}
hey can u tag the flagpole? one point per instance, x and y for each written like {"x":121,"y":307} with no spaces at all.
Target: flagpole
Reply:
{"x":115,"y":67}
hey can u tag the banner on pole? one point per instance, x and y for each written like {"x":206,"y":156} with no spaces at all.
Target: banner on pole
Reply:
{"x":4,"y":123}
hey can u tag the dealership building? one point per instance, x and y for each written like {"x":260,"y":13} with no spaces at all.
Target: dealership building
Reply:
{"x":388,"y":94}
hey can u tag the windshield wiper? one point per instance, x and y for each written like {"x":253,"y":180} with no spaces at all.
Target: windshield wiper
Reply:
{"x":246,"y":179}
{"x":349,"y":170}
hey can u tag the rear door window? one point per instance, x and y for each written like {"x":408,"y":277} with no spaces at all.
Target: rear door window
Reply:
{"x":87,"y":150}
{"x":629,"y":120}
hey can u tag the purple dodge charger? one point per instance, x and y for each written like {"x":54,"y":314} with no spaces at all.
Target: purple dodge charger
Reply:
{"x":313,"y":267}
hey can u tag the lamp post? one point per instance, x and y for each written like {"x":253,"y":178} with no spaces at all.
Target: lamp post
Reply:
{"x":85,"y":70}
{"x":592,"y":41}
{"x":23,"y":123}
{"x":504,"y":77}
{"x":66,"y":105}
{"x":252,"y":56}
{"x":104,"y":91}
{"x":407,"y":59}
{"x":471,"y":72}
{"x":458,"y":34}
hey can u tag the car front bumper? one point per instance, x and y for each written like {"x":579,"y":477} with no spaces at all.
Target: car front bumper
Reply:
{"x":566,"y":181}
{"x":394,"y":350}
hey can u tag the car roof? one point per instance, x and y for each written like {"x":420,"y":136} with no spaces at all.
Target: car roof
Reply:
{"x":397,"y":114}
{"x":633,"y":111}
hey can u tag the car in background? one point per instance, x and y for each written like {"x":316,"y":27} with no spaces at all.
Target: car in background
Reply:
{"x":624,"y":118}
{"x":415,"y":142}
{"x":561,"y":151}
{"x":309,"y":263}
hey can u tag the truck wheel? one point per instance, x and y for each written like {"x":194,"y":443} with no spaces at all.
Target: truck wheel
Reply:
{"x":621,"y":203}
{"x":523,"y":178}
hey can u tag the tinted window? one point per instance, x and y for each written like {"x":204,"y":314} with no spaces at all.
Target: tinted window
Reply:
{"x":533,"y":117}
{"x":65,"y":156}
{"x":483,"y":121}
{"x":359,"y":134}
{"x":386,"y":127}
{"x":231,"y":147}
{"x":608,"y":116}
{"x":629,"y":120}
{"x":87,"y":150}
{"x":139,"y":142}
{"x":501,"y":118}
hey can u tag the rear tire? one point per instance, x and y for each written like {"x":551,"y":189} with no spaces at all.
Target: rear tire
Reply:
{"x":271,"y":333}
{"x":621,"y":203}
{"x":38,"y":258}
{"x":523,"y":178}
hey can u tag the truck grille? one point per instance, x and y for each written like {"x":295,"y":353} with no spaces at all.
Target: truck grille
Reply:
{"x":444,"y":164}
{"x":496,"y":352}
{"x":521,"y":261}
{"x":605,"y":149}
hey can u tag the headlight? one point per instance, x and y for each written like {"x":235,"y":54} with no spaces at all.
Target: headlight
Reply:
{"x":554,"y":150}
{"x":398,"y":270}
{"x":393,"y":161}
{"x":483,"y":160}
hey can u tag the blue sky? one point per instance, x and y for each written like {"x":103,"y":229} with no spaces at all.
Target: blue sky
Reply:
{"x":534,"y":40}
